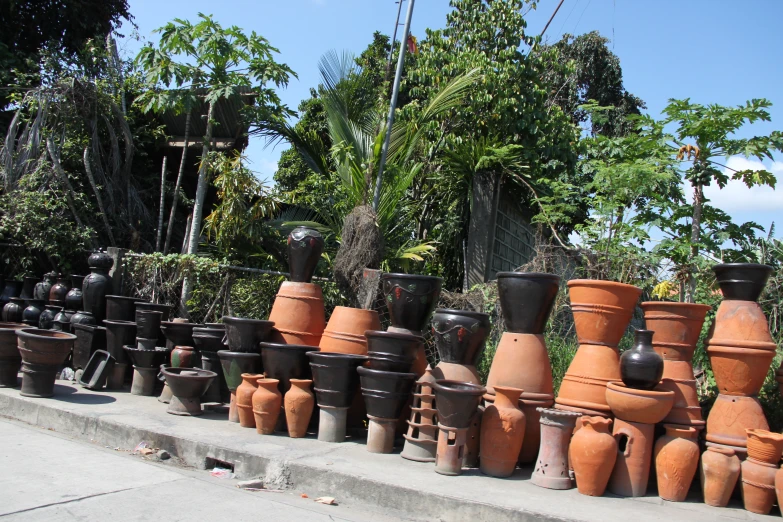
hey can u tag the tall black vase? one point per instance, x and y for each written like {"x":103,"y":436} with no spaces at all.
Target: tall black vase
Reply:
{"x":97,"y":285}
{"x":641,"y":367}
{"x":305,"y":245}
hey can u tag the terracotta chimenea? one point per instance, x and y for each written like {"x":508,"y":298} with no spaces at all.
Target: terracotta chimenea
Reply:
{"x":456,"y":404}
{"x":421,"y":439}
{"x":551,"y":469}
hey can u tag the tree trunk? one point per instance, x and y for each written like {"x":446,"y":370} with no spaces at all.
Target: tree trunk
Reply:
{"x":177,"y":186}
{"x":88,"y":170}
{"x":58,"y":168}
{"x":698,"y":202}
{"x":159,"y":238}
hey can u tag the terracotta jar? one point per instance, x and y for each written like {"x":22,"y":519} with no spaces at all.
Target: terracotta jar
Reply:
{"x":522,"y":361}
{"x":758,"y":485}
{"x":299,"y":404}
{"x":593,"y":452}
{"x":298,"y":314}
{"x":765,"y":446}
{"x":551,"y":469}
{"x":345,"y":331}
{"x":305,"y":245}
{"x":779,"y":486}
{"x":720,"y":469}
{"x":266,"y":406}
{"x":245,"y":393}
{"x":634,"y":455}
{"x":676,"y":461}
{"x":731,"y":416}
{"x":640,"y":366}
{"x":502,"y":432}
{"x":529,"y":404}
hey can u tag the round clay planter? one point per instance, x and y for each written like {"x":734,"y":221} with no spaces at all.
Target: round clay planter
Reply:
{"x":305,"y":245}
{"x":502,"y":433}
{"x":10,"y":359}
{"x":459,"y":335}
{"x":43,"y":287}
{"x":266,"y":406}
{"x":187,"y":386}
{"x":243,"y":335}
{"x":631,"y":470}
{"x":593,"y":452}
{"x":119,"y":334}
{"x":526,"y":299}
{"x":385,"y":393}
{"x":74,"y":299}
{"x":393,"y":351}
{"x":46,"y":319}
{"x":335,"y":378}
{"x":738,"y":370}
{"x":676,"y":461}
{"x":731,"y":416}
{"x":285,"y":362}
{"x":97,"y":284}
{"x":179,"y":334}
{"x":121,"y":308}
{"x":11,"y":289}
{"x":184,"y":357}
{"x":13,"y":311}
{"x":32,"y":313}
{"x":758,"y":485}
{"x":410,"y":299}
{"x":43,"y":352}
{"x":146,"y":358}
{"x":345,"y":331}
{"x":244,"y":399}
{"x":765,"y":446}
{"x":298,"y":403}
{"x":298,"y":314}
{"x":640,"y":366}
{"x":82,"y":317}
{"x":742,"y":281}
{"x":642,"y":406}
{"x":602,"y":310}
{"x":521,"y":361}
{"x":58,"y":291}
{"x":551,"y":470}
{"x":583,"y":388}
{"x":208,"y":339}
{"x":677,"y":327}
{"x":719,"y":471}
{"x":457,"y":402}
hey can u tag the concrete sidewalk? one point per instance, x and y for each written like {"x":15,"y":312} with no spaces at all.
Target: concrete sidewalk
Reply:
{"x":345,"y":471}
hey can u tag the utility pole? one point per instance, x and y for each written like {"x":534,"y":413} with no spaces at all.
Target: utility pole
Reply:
{"x":393,"y":105}
{"x":394,"y":38}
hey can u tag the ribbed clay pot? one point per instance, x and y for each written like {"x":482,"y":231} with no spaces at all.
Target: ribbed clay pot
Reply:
{"x":187,"y":386}
{"x":551,"y":470}
{"x":74,"y":300}
{"x":765,"y":446}
{"x":731,"y":416}
{"x":32,"y":312}
{"x":244,"y":399}
{"x":10,"y":360}
{"x":299,"y":403}
{"x":243,"y":335}
{"x":285,"y":362}
{"x":335,"y":379}
{"x":593,"y":452}
{"x":457,"y":402}
{"x":266,"y":406}
{"x":42,"y":288}
{"x":58,"y":291}
{"x":392,"y":351}
{"x":526,"y":299}
{"x":46,"y":319}
{"x":640,"y":366}
{"x":758,"y":485}
{"x":11,"y":289}
{"x":719,"y":471}
{"x":298,"y":314}
{"x":742,"y":281}
{"x":305,"y":245}
{"x":345,"y":331}
{"x":121,"y":308}
{"x":410,"y":299}
{"x":385,"y":393}
{"x":502,"y":433}
{"x":13,"y":311}
{"x":43,"y":353}
{"x":97,"y":284}
{"x":676,"y":461}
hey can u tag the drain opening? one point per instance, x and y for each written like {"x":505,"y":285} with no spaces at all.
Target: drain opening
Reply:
{"x":211,"y":463}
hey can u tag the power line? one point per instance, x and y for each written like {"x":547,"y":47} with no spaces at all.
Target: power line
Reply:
{"x":551,"y":18}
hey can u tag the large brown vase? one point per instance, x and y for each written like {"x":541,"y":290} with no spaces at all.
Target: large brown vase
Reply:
{"x":502,"y":432}
{"x":719,"y":471}
{"x":593,"y":452}
{"x":298,"y":314}
{"x":345,"y":331}
{"x":676,"y":461}
{"x":298,"y":403}
{"x":244,"y":393}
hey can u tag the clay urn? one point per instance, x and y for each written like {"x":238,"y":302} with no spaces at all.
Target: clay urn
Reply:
{"x":392,"y":351}
{"x":460,"y":335}
{"x":765,"y":446}
{"x":187,"y":386}
{"x":593,"y":452}
{"x":410,"y":299}
{"x":344,"y":333}
{"x":58,"y":291}
{"x":502,"y":433}
{"x":13,"y":311}
{"x":11,"y":289}
{"x":43,"y":353}
{"x":121,"y":308}
{"x":305,"y":245}
{"x":206,"y":339}
{"x":97,"y":284}
{"x":32,"y":313}
{"x":719,"y":471}
{"x":731,"y":416}
{"x":457,"y":406}
{"x":642,"y":406}
{"x":234,"y":364}
{"x":43,"y":287}
{"x":148,"y":324}
{"x":298,"y":314}
{"x":551,"y":470}
{"x":74,"y":299}
{"x":298,"y":404}
{"x":243,"y":335}
{"x":10,"y":360}
{"x":758,"y":485}
{"x":640,"y":366}
{"x":526,"y":299}
{"x":335,"y":381}
{"x":244,"y":400}
{"x":285,"y":362}
{"x":676,"y":461}
{"x":267,"y":401}
{"x":742,"y":281}
{"x":46,"y":319}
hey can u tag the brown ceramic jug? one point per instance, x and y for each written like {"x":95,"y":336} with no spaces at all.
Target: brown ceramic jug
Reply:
{"x":266,"y":405}
{"x":502,"y":433}
{"x":593,"y":452}
{"x":299,"y":402}
{"x":676,"y":461}
{"x":720,"y":469}
{"x":244,"y":394}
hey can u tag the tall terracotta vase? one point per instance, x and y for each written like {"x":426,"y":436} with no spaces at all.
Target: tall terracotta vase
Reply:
{"x":502,"y":432}
{"x":593,"y":453}
{"x":298,"y":314}
{"x":719,"y":471}
{"x":299,"y":402}
{"x":245,"y":392}
{"x":676,"y":461}
{"x":551,"y":469}
{"x":345,"y":331}
{"x":266,"y":405}
{"x":602,"y":311}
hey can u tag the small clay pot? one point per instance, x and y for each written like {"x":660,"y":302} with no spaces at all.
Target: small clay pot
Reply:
{"x":13,"y":311}
{"x":502,"y":433}
{"x":526,"y":299}
{"x":305,"y":245}
{"x":642,"y":406}
{"x":121,"y":308}
{"x":299,"y":403}
{"x":765,"y":446}
{"x":392,"y":351}
{"x":720,"y":469}
{"x":335,"y":377}
{"x":298,"y":314}
{"x":460,"y":335}
{"x":385,"y":393}
{"x":187,"y":386}
{"x":243,"y":335}
{"x":244,"y":399}
{"x":46,"y":319}
{"x":593,"y":452}
{"x":758,"y":485}
{"x":457,"y":402}
{"x":32,"y":313}
{"x":74,"y":299}
{"x":551,"y":469}
{"x":285,"y":362}
{"x":344,"y":333}
{"x":266,"y":406}
{"x":742,"y":281}
{"x":676,"y":461}
{"x":640,"y":366}
{"x":410,"y":299}
{"x":58,"y":291}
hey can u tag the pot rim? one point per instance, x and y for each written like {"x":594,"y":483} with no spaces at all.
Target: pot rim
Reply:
{"x":469,"y":313}
{"x":681,"y":429}
{"x":395,"y":275}
{"x":202,"y":374}
{"x":118,"y":322}
{"x":369,"y":372}
{"x":172,"y":324}
{"x":764,"y":436}
{"x":724,"y":266}
{"x":465,"y":388}
{"x":673,"y":304}
{"x":237,"y":355}
{"x":602,"y":283}
{"x":620,"y":387}
{"x":12,"y":326}
{"x":283,"y":346}
{"x":227,"y":319}
{"x":87,"y":327}
{"x":132,"y":348}
{"x":124,"y":298}
{"x":266,"y":380}
{"x":529,"y":275}
{"x":723,"y":450}
{"x":317,"y":354}
{"x":393,"y":335}
{"x":37,"y":333}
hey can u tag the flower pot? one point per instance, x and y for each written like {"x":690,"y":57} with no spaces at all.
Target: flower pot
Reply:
{"x":266,"y":406}
{"x":46,"y":319}
{"x":298,"y":314}
{"x":97,"y":284}
{"x":120,"y":308}
{"x":719,"y":471}
{"x":146,"y":359}
{"x":742,"y":281}
{"x":739,"y":370}
{"x":82,"y":317}
{"x":457,"y":402}
{"x":502,"y":433}
{"x":10,"y":359}
{"x":32,"y":312}
{"x":459,"y":335}
{"x":305,"y":245}
{"x":602,"y":310}
{"x":28,"y":287}
{"x":758,"y":485}
{"x":410,"y":299}
{"x":641,"y":406}
{"x":551,"y":470}
{"x":285,"y":362}
{"x":640,"y":366}
{"x":401,"y":345}
{"x":148,"y":324}
{"x":526,"y":299}
{"x":521,"y":361}
{"x":593,"y":452}
{"x":11,"y":289}
{"x":385,"y":393}
{"x":74,"y":299}
{"x":88,"y":340}
{"x":345,"y":331}
{"x":634,"y":454}
{"x":298,"y":404}
{"x":676,"y":460}
{"x":244,"y":399}
{"x":43,"y":353}
{"x":676,"y":327}
{"x":13,"y":311}
{"x":243,"y":335}
{"x":234,"y":364}
{"x":765,"y":446}
{"x":206,"y":339}
{"x":187,"y":386}
{"x":583,"y":388}
{"x":335,"y":377}
{"x":58,"y":291}
{"x":184,"y":357}
{"x":42,"y":288}
{"x":731,"y":416}
{"x":529,"y":404}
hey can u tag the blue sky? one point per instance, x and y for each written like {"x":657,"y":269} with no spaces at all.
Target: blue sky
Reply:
{"x":713,"y":51}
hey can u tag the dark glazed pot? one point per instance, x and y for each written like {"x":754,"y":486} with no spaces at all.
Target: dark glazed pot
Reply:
{"x":459,"y":335}
{"x":32,"y":313}
{"x":640,"y":366}
{"x":742,"y":281}
{"x":410,"y":299}
{"x":305,"y":245}
{"x":243,"y":335}
{"x":526,"y":299}
{"x":42,"y":288}
{"x":392,"y":351}
{"x":58,"y":291}
{"x":164,"y":309}
{"x":187,"y":386}
{"x":121,"y":308}
{"x":208,"y":339}
{"x":82,"y":317}
{"x":10,"y":360}
{"x":285,"y":362}
{"x":74,"y":299}
{"x":457,"y":402}
{"x":88,"y":340}
{"x":46,"y":320}
{"x":28,"y":287}
{"x":235,"y":364}
{"x":11,"y":289}
{"x":184,"y":357}
{"x":43,"y":353}
{"x":148,"y":324}
{"x":179,"y":334}
{"x":13,"y":311}
{"x":62,"y":321}
{"x":385,"y":393}
{"x":119,"y":334}
{"x":97,"y":285}
{"x":335,"y":378}
{"x":146,"y":358}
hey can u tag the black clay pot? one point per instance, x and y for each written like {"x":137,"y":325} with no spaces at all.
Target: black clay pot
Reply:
{"x":97,"y":285}
{"x":457,"y":402}
{"x":305,"y":245}
{"x":82,"y":317}
{"x":410,"y":299}
{"x":164,"y":309}
{"x":10,"y":360}
{"x":43,"y":354}
{"x":88,"y":340}
{"x":58,"y":291}
{"x":243,"y":335}
{"x":11,"y":289}
{"x":41,"y":290}
{"x":385,"y":393}
{"x":13,"y":311}
{"x":335,"y":378}
{"x":46,"y":320}
{"x":28,"y":287}
{"x":187,"y":386}
{"x":208,"y":339}
{"x":32,"y":313}
{"x":640,"y":366}
{"x":119,"y":334}
{"x":217,"y":392}
{"x":74,"y":299}
{"x":459,"y":335}
{"x":285,"y":362}
{"x":234,"y":364}
{"x":148,"y":324}
{"x":526,"y":299}
{"x":392,"y":351}
{"x":146,"y":358}
{"x":121,"y":308}
{"x":178,"y":334}
{"x":742,"y":281}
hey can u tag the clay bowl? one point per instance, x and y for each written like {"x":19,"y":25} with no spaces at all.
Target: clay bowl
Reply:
{"x":208,"y":339}
{"x":180,"y":334}
{"x":765,"y":446}
{"x":285,"y":362}
{"x":644,"y":406}
{"x":146,"y":358}
{"x":234,"y":364}
{"x":243,"y":335}
{"x":46,"y":347}
{"x":526,"y":299}
{"x":335,"y":378}
{"x":457,"y":402}
{"x":742,"y":281}
{"x":187,"y":386}
{"x":385,"y":393}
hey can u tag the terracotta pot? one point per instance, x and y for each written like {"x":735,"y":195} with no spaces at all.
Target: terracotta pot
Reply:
{"x":121,"y":308}
{"x":634,"y":455}
{"x":46,"y":319}
{"x":266,"y":406}
{"x":459,"y":335}
{"x":765,"y":446}
{"x":640,"y":366}
{"x":758,"y":485}
{"x":641,"y":406}
{"x":187,"y":386}
{"x":676,"y":461}
{"x":731,"y":416}
{"x":502,"y":433}
{"x":74,"y":299}
{"x":584,"y":385}
{"x":243,"y":335}
{"x":13,"y":311}
{"x":298,"y":314}
{"x":779,"y":486}
{"x":345,"y":331}
{"x":526,"y":299}
{"x":456,"y":402}
{"x":677,"y":327}
{"x":97,"y":284}
{"x":43,"y":352}
{"x":521,"y":361}
{"x":742,"y":281}
{"x":305,"y":245}
{"x":739,"y":371}
{"x":43,"y":287}
{"x":410,"y":299}
{"x":299,"y":404}
{"x":58,"y":291}
{"x":678,"y":378}
{"x":32,"y":312}
{"x":529,"y":404}
{"x":184,"y":357}
{"x":602,"y":310}
{"x":244,"y":399}
{"x":335,"y":377}
{"x":10,"y":359}
{"x":593,"y":452}
{"x":719,"y":471}
{"x":551,"y":469}
{"x":741,"y":322}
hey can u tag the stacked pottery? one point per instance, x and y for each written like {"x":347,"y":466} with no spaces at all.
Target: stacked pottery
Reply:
{"x":457,"y":403}
{"x":208,"y":340}
{"x":759,"y":470}
{"x":10,"y":360}
{"x":551,"y":470}
{"x":42,"y":288}
{"x":187,"y":386}
{"x":165,"y":315}
{"x":741,"y":350}
{"x":118,"y":334}
{"x":58,"y":291}
{"x":43,"y":354}
{"x":183,"y":354}
{"x":335,"y":381}
{"x":11,"y":289}
{"x":521,"y":359}
{"x":719,"y":471}
{"x":286,"y":363}
{"x":97,"y":285}
{"x":421,"y":439}
{"x":593,"y":452}
{"x":502,"y":433}
{"x":13,"y":311}
{"x":146,"y":356}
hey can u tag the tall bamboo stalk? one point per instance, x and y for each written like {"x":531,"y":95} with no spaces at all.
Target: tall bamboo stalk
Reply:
{"x":159,"y":239}
{"x":177,"y":185}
